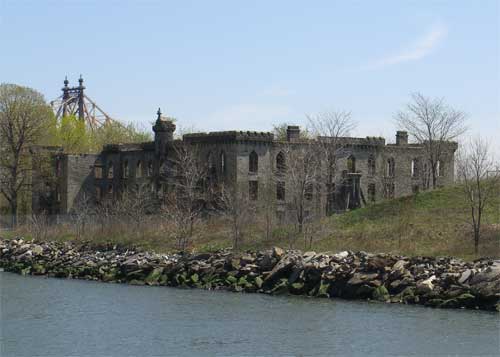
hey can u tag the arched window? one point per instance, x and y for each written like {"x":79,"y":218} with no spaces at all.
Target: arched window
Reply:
{"x":138,"y":169}
{"x":223,"y":163}
{"x":351,"y":164}
{"x":280,"y":162}
{"x":391,"y":167}
{"x":371,"y":166}
{"x":110,"y":170}
{"x":415,"y":168}
{"x":253,"y":162}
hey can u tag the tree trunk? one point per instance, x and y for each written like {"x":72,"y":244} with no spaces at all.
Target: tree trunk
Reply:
{"x":476,"y":241}
{"x":434,"y":177}
{"x":13,"y":213}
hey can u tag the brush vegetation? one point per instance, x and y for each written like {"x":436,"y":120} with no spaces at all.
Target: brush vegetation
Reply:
{"x":432,"y":223}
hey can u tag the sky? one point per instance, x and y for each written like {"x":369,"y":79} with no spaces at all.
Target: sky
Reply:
{"x":222,"y":65}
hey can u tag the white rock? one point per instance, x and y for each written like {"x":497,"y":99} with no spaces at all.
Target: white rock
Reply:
{"x":426,"y":286}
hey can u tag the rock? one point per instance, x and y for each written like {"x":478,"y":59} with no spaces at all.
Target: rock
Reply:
{"x":489,"y":274}
{"x":434,"y":302}
{"x":400,"y":265}
{"x":259,"y":282}
{"x":195,"y":278}
{"x":323,"y":290}
{"x":378,"y":263}
{"x":202,"y":256}
{"x":364,"y":292}
{"x":295,"y":274}
{"x":296,"y":288}
{"x":37,"y":249}
{"x":136,"y":282}
{"x":266,"y":262}
{"x":380,"y":293}
{"x":426,"y":286}
{"x":360,"y":278}
{"x":465,"y":276}
{"x":280,"y":288}
{"x":442,"y":282}
{"x":38,"y":269}
{"x":278,"y":252}
{"x":466,"y":300}
{"x":308,"y":256}
{"x":341,"y":255}
{"x":282,"y":268}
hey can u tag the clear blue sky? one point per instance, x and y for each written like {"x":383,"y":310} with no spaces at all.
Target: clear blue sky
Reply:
{"x":220,"y":65}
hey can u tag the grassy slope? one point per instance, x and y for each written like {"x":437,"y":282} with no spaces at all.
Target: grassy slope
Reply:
{"x":431,"y":223}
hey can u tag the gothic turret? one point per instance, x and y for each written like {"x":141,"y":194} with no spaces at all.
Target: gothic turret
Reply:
{"x":164,"y":133}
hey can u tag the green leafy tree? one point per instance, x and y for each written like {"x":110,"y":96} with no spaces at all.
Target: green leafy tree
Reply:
{"x":71,"y":133}
{"x":25,"y":120}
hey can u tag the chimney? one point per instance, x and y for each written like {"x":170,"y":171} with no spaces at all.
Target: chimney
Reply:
{"x":292,"y":133}
{"x":401,"y":138}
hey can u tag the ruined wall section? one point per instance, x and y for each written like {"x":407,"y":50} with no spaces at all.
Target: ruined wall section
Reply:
{"x":76,"y":182}
{"x":127,"y":166}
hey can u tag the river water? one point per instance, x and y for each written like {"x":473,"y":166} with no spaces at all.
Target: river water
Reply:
{"x":52,"y":317}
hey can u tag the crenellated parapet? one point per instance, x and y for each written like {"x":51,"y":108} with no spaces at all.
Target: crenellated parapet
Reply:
{"x":369,"y":141}
{"x":129,"y":147}
{"x":229,"y":136}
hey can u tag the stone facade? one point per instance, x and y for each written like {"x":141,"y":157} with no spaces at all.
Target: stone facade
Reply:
{"x":368,"y":169}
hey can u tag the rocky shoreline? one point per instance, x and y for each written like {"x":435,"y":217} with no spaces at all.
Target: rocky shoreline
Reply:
{"x":431,"y":281}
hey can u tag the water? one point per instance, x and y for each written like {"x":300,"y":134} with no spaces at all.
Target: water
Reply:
{"x":52,"y":317}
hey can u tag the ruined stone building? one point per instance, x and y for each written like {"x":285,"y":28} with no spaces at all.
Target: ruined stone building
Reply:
{"x":368,"y":170}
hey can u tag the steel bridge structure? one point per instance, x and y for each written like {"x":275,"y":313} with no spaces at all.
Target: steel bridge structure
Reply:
{"x":74,"y":101}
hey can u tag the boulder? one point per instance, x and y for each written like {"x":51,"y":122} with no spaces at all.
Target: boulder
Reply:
{"x":465,"y":276}
{"x":426,"y":286}
{"x":282,"y":268}
{"x":278,"y":252}
{"x":362,"y":278}
{"x":380,"y":293}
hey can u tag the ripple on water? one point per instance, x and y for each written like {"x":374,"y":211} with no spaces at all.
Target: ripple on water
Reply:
{"x":55,"y":317}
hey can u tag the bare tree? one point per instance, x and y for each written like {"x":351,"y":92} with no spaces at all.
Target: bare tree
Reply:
{"x":82,"y":214}
{"x":184,"y":203}
{"x":267,"y":204}
{"x":300,"y":174}
{"x":39,"y":226}
{"x":330,"y":128}
{"x":432,"y":123}
{"x":181,"y":219}
{"x":475,"y":171}
{"x":235,"y":205}
{"x":24,"y":116}
{"x":134,"y":205}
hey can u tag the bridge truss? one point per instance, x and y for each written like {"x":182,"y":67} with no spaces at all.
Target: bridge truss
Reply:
{"x":74,"y":101}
